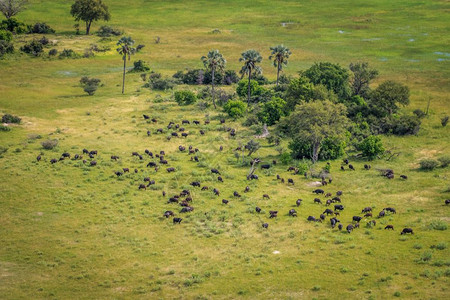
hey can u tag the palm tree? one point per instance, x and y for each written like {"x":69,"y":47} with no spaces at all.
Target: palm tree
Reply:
{"x":250,"y":59}
{"x":214,"y":62}
{"x":280,"y":55}
{"x":126,"y":50}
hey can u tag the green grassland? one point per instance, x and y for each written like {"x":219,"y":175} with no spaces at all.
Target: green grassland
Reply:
{"x":71,"y":231}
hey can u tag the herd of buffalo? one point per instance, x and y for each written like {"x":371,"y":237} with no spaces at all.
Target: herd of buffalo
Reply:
{"x":185,"y":199}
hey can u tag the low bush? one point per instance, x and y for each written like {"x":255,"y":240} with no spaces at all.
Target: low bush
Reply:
{"x":399,"y":125}
{"x":185,"y":97}
{"x":445,"y":161}
{"x":90,"y":85}
{"x":52,"y":52}
{"x":34,"y":48}
{"x":419,"y":113}
{"x":7,"y":118}
{"x":49,"y":144}
{"x":107,"y":31}
{"x":230,"y":77}
{"x":4,"y":128}
{"x":68,"y":53}
{"x":5,"y":35}
{"x":41,"y":28}
{"x":428,"y":164}
{"x":235,"y":108}
{"x":14,"y":26}
{"x":5,"y":48}
{"x":140,"y":66}
{"x":438,"y":225}
{"x":161,"y":84}
{"x":371,"y":147}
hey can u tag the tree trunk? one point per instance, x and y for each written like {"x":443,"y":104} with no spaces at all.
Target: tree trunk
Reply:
{"x":316,"y":148}
{"x":212,"y":88}
{"x":123,"y":81}
{"x":88,"y":27}
{"x":278,"y":72}
{"x":248,"y":87}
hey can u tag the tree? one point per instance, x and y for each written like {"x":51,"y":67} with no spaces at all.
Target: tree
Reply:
{"x":280,"y":55}
{"x":333,"y":76}
{"x":89,"y":11}
{"x":362,"y":76}
{"x":213,"y":62}
{"x":126,"y":50}
{"x":10,"y":8}
{"x":272,"y":111}
{"x":234,"y":108}
{"x":90,"y":85}
{"x":250,"y":59}
{"x":316,"y":121}
{"x":252,"y":147}
{"x":385,"y":98}
{"x":371,"y":146}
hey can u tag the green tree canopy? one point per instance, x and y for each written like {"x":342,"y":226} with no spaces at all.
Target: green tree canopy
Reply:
{"x":362,"y":75}
{"x":214,"y":62}
{"x":272,"y":111}
{"x":89,"y":11}
{"x":385,"y":98}
{"x":280,"y":55}
{"x":10,"y":8}
{"x":250,"y":59}
{"x":316,"y":121}
{"x":333,"y":76}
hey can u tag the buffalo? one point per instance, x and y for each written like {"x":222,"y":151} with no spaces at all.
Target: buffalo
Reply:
{"x":338,"y":207}
{"x":265,"y":225}
{"x":317,"y":200}
{"x":350,"y":228}
{"x":407,"y":230}
{"x":224,"y":201}
{"x":265,"y":166}
{"x":177,"y":220}
{"x":389,"y":227}
{"x":258,"y":210}
{"x":328,"y":211}
{"x":357,"y":218}
{"x":168,"y":213}
{"x":291,"y":181}
{"x":273,"y":213}
{"x":215,"y":171}
{"x":318,"y":191}
{"x":170,"y":170}
{"x":298,"y":202}
{"x":265,"y":196}
{"x":292,"y":213}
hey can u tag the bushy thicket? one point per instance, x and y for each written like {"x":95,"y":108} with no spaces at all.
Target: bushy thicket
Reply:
{"x":33,"y":47}
{"x":140,"y":66}
{"x":107,"y":31}
{"x":41,"y":28}
{"x":14,"y":26}
{"x":6,"y":47}
{"x":8,"y":118}
{"x":200,"y":76}
{"x":371,"y":147}
{"x":185,"y":97}
{"x":235,"y":108}
{"x":90,"y":85}
{"x":68,"y":53}
{"x":49,"y":144}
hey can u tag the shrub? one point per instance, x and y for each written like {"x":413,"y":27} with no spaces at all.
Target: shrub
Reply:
{"x":261,"y":79}
{"x":49,"y":144}
{"x":428,"y":164}
{"x":195,"y":76}
{"x":185,"y":97}
{"x":426,"y":256}
{"x":285,"y":158}
{"x":5,"y":35}
{"x":140,"y":66}
{"x":218,"y":77}
{"x":445,"y":161}
{"x":68,"y":53}
{"x":272,"y":111}
{"x":444,"y":121}
{"x":14,"y":26}
{"x":107,"y":31}
{"x":242,"y":88}
{"x":44,"y":41}
{"x":5,"y":48}
{"x":371,"y":147}
{"x":7,"y":118}
{"x":398,"y":125}
{"x":4,"y":128}
{"x":34,"y":48}
{"x":41,"y":28}
{"x":52,"y":52}
{"x":419,"y":113}
{"x":90,"y":85}
{"x":235,"y":108}
{"x":438,"y":225}
{"x":230,"y":77}
{"x":161,"y":83}
{"x":330,"y":148}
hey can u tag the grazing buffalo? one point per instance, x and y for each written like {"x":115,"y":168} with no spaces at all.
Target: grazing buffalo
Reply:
{"x":447,"y":201}
{"x":265,"y":196}
{"x":164,"y":162}
{"x":338,"y":207}
{"x":273,"y":213}
{"x":407,"y":230}
{"x":215,"y":171}
{"x":205,"y":188}
{"x":177,"y":220}
{"x":195,"y":183}
{"x":328,"y":203}
{"x":151,"y":164}
{"x":357,"y":218}
{"x":328,"y":211}
{"x":342,"y":168}
{"x":336,"y":199}
{"x":125,"y":170}
{"x":181,"y":148}
{"x":318,"y":191}
{"x":142,"y":187}
{"x":340,"y":226}
{"x":403,"y":177}
{"x":207,"y":122}
{"x":53,"y":160}
{"x":196,"y":122}
{"x":186,"y":209}
{"x":185,"y":122}
{"x":174,"y":134}
{"x":265,"y":166}
{"x":65,"y":155}
{"x":292,"y":213}
{"x":382,"y":214}
{"x":168,"y":213}
{"x":160,"y":130}
{"x":298,"y":202}
{"x":118,"y":173}
{"x":328,"y":195}
{"x":366,"y":209}
{"x":170,"y":170}
{"x":236,"y":194}
{"x":322,"y":216}
{"x":350,"y":228}
{"x":151,"y":182}
{"x":367,"y":167}
{"x":334,"y":221}
{"x":184,"y":134}
{"x":85,"y":151}
{"x":265,"y":225}
{"x":146,"y":117}
{"x":390,"y":209}
{"x":114,"y":157}
{"x":38,"y":158}
{"x":220,"y":178}
{"x":93,"y":163}
{"x":346,"y":161}
{"x":224,"y":201}
{"x":258,"y":210}
{"x":254,"y":176}
{"x":351,"y":167}
{"x":216,"y":191}
{"x":317,"y":200}
{"x":93,"y":152}
{"x":368,"y":215}
{"x":339,"y":193}
{"x":291,"y":181}
{"x":311,"y":218}
{"x":389,"y":227}
{"x":173,"y":200}
{"x":202,"y":132}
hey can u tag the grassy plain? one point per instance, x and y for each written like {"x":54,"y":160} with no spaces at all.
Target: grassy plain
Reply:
{"x":70,"y":231}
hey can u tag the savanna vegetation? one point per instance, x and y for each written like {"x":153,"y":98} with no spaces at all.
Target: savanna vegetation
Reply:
{"x":268,"y":125}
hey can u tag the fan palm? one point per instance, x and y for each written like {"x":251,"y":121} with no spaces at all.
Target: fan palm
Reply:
{"x":214,"y":61}
{"x":250,"y":59}
{"x":126,"y":50}
{"x":280,"y":55}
